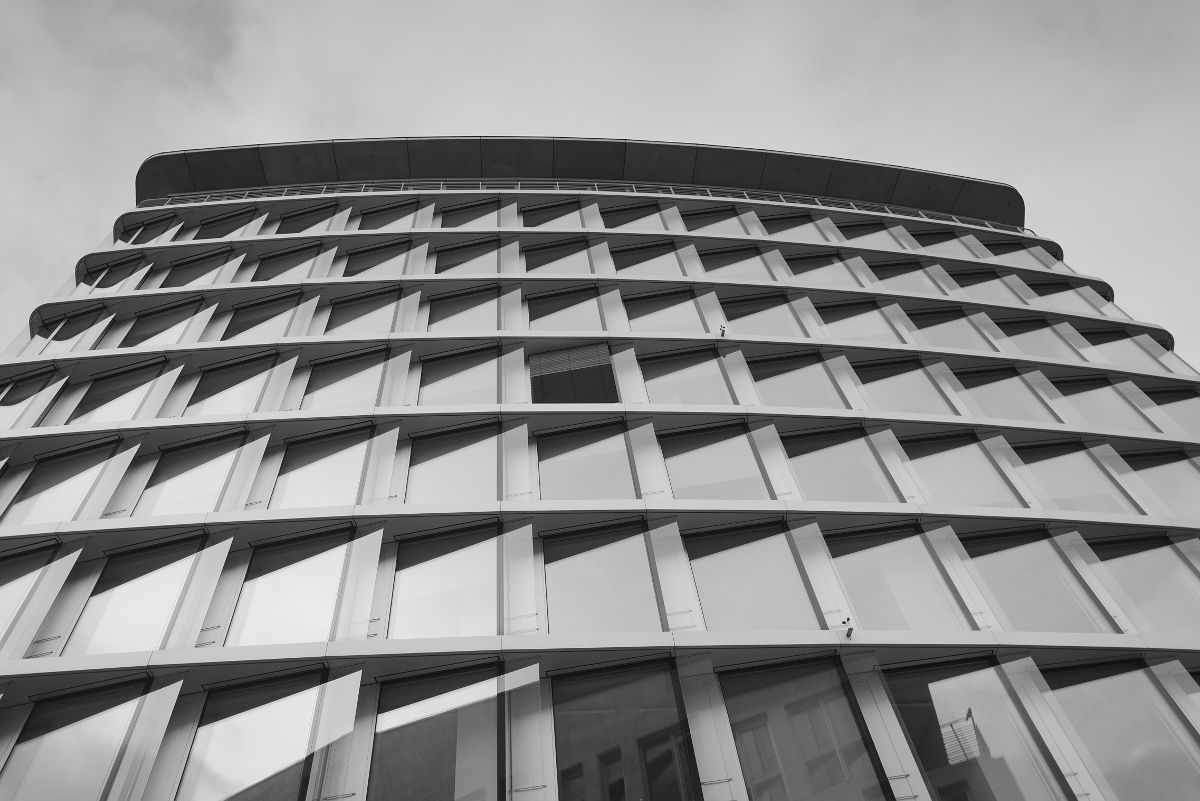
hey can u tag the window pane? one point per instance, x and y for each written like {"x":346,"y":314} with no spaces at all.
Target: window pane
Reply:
{"x":960,"y":473}
{"x":907,"y":278}
{"x":619,"y":735}
{"x":766,"y":317}
{"x":194,"y":273}
{"x":369,"y":317}
{"x":290,"y":593}
{"x":1044,"y":343}
{"x":749,"y":581}
{"x":714,"y":465}
{"x":1005,"y":396}
{"x":902,"y":387}
{"x":222,"y":225}
{"x":381,"y":262}
{"x":475,"y":312}
{"x":1174,"y":479}
{"x":573,"y":375}
{"x":648,"y":261}
{"x":1033,"y":584}
{"x":585,"y":465}
{"x":858,"y":323}
{"x":714,"y":221}
{"x":133,"y":602}
{"x":483,"y":259}
{"x":824,"y":271}
{"x":395,"y":217}
{"x":990,"y":289}
{"x":841,"y":467}
{"x":18,"y":397}
{"x":1157,"y":580}
{"x":738,"y":264}
{"x":459,"y":380}
{"x":559,"y":259}
{"x":641,"y":216}
{"x":1127,"y":353}
{"x":112,"y":278}
{"x":695,"y":378}
{"x":18,"y":574}
{"x":286,"y":267}
{"x":969,"y":735}
{"x":348,"y":382}
{"x":310,"y":220}
{"x":1102,"y":405}
{"x":56,"y":488}
{"x":1067,"y":300}
{"x":229,"y":390}
{"x":114,"y":399}
{"x":326,"y":472}
{"x":805,"y":383}
{"x":446,"y":587}
{"x":553,"y":216}
{"x":1183,"y":407}
{"x":188,"y":480}
{"x":63,"y":339}
{"x":797,"y":735}
{"x":472,"y":215}
{"x":673,"y":312}
{"x":261,"y":323}
{"x":954,"y":332}
{"x":455,"y":468}
{"x":893,"y":584}
{"x":568,"y":311}
{"x":1131,"y":732}
{"x":1071,"y":480}
{"x":163,"y":328}
{"x":599,"y":583}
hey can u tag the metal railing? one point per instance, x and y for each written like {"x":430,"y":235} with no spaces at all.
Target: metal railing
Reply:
{"x":814,"y":201}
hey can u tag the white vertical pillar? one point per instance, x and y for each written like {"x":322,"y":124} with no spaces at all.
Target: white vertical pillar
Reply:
{"x":721,"y":776}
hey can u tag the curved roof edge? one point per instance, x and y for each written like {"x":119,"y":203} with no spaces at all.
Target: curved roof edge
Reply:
{"x":565,"y":159}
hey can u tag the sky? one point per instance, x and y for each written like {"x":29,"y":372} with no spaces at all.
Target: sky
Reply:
{"x":1090,"y":109}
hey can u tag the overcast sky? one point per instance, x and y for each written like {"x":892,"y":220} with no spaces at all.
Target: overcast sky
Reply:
{"x":1090,"y":109}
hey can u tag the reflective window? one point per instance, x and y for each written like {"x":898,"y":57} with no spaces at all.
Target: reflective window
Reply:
{"x":553,"y":216}
{"x":454,"y":468}
{"x":1183,"y":406}
{"x":803,"y":382}
{"x":149,"y":231}
{"x":16,"y":396}
{"x":477,"y":259}
{"x":797,"y":735}
{"x":481,"y":214}
{"x":570,"y":258}
{"x":1033,"y":584}
{"x":373,"y":316}
{"x":670,"y":312}
{"x":566,"y":311}
{"x":600,"y":582}
{"x":223,"y":225}
{"x":198,"y":272}
{"x":988,"y":288}
{"x":56,"y":488}
{"x":111,"y":278}
{"x":713,"y":464}
{"x":1174,"y":479}
{"x":1039,"y":341}
{"x":592,"y":464}
{"x":1157,"y":579}
{"x":1126,"y":352}
{"x":1066,"y":477}
{"x":377,"y":262}
{"x":322,"y":472}
{"x":951,"y":330}
{"x":839,"y":467}
{"x":736,"y":264}
{"x":286,"y":267}
{"x":714,"y":221}
{"x":62,"y":336}
{"x":309,"y":220}
{"x":446,"y":586}
{"x":18,"y":574}
{"x":468,"y":379}
{"x":345,"y":382}
{"x":970,"y":736}
{"x":893,"y":582}
{"x":188,"y":480}
{"x":694,"y":378}
{"x":134,"y":600}
{"x":1130,"y":730}
{"x":959,"y":472}
{"x":290,"y":592}
{"x":573,"y":375}
{"x":748,"y":580}
{"x":1063,"y":298}
{"x":261,"y":322}
{"x":161,"y":328}
{"x":858,"y":322}
{"x":902,"y":387}
{"x":648,"y":261}
{"x":796,"y":227}
{"x":823,"y":271}
{"x":392,"y":217}
{"x":1103,"y":405}
{"x":641,"y":216}
{"x":765,"y":316}
{"x":911,"y":277}
{"x":477,"y":311}
{"x":229,"y":390}
{"x":114,"y":399}
{"x":620,"y":735}
{"x":1005,"y":395}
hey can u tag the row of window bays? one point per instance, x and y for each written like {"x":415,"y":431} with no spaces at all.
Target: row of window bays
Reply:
{"x":728,"y":725}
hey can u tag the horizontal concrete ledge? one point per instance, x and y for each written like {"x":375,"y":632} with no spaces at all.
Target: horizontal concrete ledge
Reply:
{"x":567,"y":159}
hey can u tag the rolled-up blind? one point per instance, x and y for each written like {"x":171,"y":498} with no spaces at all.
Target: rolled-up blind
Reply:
{"x":573,"y":375}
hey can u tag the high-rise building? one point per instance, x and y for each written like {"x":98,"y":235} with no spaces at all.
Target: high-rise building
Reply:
{"x":585,"y":470}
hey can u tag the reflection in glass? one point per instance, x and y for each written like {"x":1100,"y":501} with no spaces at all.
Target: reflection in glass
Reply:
{"x":229,"y":390}
{"x":642,"y":216}
{"x":737,"y":264}
{"x":1157,"y":579}
{"x":671,"y":312}
{"x":471,"y":378}
{"x":446,"y":586}
{"x":714,"y":464}
{"x":553,"y":216}
{"x":290,"y":592}
{"x":559,"y":259}
{"x":1071,"y":480}
{"x":469,"y":259}
{"x":262,"y":322}
{"x":959,"y":472}
{"x":291,"y":266}
{"x":798,"y":737}
{"x":1103,"y":406}
{"x":592,"y":464}
{"x":188,"y":480}
{"x":970,"y":737}
{"x":16,"y":396}
{"x":18,"y":575}
{"x":766,"y":316}
{"x":114,"y":399}
{"x":748,"y":580}
{"x":695,"y":378}
{"x":988,"y":288}
{"x":823,"y":271}
{"x":893,"y":583}
{"x":346,"y":382}
{"x":714,"y":221}
{"x":1056,"y":296}
{"x":392,"y":217}
{"x":801,"y":382}
{"x":454,"y":468}
{"x":911,"y":278}
{"x":324,"y":472}
{"x":1126,"y":352}
{"x":380,"y":262}
{"x":478,"y":311}
{"x":839,"y":467}
{"x":482,"y":214}
{"x":1005,"y":396}
{"x":647,"y":261}
{"x":160,"y":328}
{"x":198,"y":272}
{"x":56,"y":488}
{"x":1173,"y":478}
{"x":600,"y":582}
{"x":1182,"y":405}
{"x":858,"y":322}
{"x":1040,"y":341}
{"x":373,"y":316}
{"x":62,"y":336}
{"x":902,"y":387}
{"x":943,"y":330}
{"x":565,"y":311}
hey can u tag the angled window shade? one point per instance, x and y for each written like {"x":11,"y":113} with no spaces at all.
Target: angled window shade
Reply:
{"x":573,"y":375}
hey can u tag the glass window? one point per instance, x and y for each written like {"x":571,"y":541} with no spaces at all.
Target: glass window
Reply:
{"x":566,"y":311}
{"x":600,"y":582}
{"x":188,"y":480}
{"x":736,"y":264}
{"x":286,"y":267}
{"x":1071,"y":480}
{"x":307,"y":220}
{"x":1130,"y":729}
{"x":480,"y":214}
{"x":951,"y":330}
{"x":322,"y":472}
{"x":858,"y":322}
{"x":376,"y":262}
{"x":671,"y":312}
{"x":222,"y":225}
{"x":893,"y":583}
{"x":371,"y":316}
{"x":161,"y":328}
{"x":554,"y":216}
{"x":18,"y":574}
{"x":477,"y":311}
{"x":446,"y":586}
{"x":797,"y":227}
{"x":902,"y":387}
{"x":839,"y":467}
{"x":1103,"y":405}
{"x":1173,"y":477}
{"x":694,"y":378}
{"x":111,"y":278}
{"x":394,"y":217}
{"x":987,"y":287}
{"x":969,"y":735}
{"x":648,"y":261}
{"x":114,"y":399}
{"x":346,"y":382}
{"x":748,"y":580}
{"x":56,"y":488}
{"x":1157,"y":579}
{"x":1005,"y":395}
{"x":261,"y":322}
{"x":454,"y":468}
{"x":797,"y":735}
{"x":559,"y":258}
{"x":1040,"y":342}
{"x":592,"y":464}
{"x":476,"y":259}
{"x":620,"y":735}
{"x":959,"y":472}
{"x":60,"y":337}
{"x":803,"y":382}
{"x":642,"y":216}
{"x":198,"y":272}
{"x":134,"y":600}
{"x":149,"y":231}
{"x":714,"y":464}
{"x":16,"y":396}
{"x":714,"y":221}
{"x":1063,"y":298}
{"x":1126,"y":352}
{"x":823,"y":271}
{"x":912,"y":278}
{"x":69,"y":746}
{"x":229,"y":390}
{"x":766,"y":316}
{"x":1033,"y":584}
{"x":468,"y":379}
{"x":290,"y":592}
{"x":573,"y":375}
{"x":1183,"y":406}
